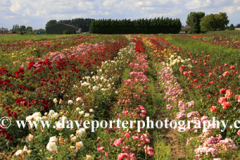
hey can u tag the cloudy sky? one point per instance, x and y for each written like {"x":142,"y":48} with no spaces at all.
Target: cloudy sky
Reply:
{"x":38,"y":13}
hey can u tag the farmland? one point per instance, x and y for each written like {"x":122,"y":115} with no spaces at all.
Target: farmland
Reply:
{"x":162,"y":77}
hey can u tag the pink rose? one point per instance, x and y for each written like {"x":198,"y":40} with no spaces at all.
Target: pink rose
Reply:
{"x":117,"y":142}
{"x":127,"y":135}
{"x":100,"y":148}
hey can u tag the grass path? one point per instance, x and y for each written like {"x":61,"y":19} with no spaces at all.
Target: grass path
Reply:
{"x":166,"y":141}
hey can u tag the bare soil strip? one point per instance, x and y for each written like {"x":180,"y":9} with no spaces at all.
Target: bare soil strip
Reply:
{"x":169,"y":135}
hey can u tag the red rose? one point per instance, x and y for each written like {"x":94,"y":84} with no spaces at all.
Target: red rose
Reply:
{"x":225,"y":105}
{"x":213,"y":109}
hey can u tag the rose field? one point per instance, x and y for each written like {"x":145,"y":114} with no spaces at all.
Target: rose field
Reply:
{"x":167,"y":77}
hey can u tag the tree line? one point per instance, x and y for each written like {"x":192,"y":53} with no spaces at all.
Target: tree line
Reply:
{"x":78,"y":22}
{"x":16,"y":28}
{"x":144,"y":26}
{"x":200,"y":23}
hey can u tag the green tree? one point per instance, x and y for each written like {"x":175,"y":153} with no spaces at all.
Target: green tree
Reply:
{"x":51,"y":22}
{"x":22,"y":28}
{"x":214,"y":22}
{"x":92,"y":27}
{"x":237,"y":26}
{"x":231,"y":27}
{"x":193,"y":20}
{"x":29,"y":28}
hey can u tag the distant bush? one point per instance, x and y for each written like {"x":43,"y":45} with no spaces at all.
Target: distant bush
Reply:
{"x":144,"y":26}
{"x":231,"y":27}
{"x":67,"y":32}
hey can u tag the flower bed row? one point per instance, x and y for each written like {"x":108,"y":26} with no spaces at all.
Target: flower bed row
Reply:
{"x":129,"y":143}
{"x":32,"y":89}
{"x":209,"y":143}
{"x":216,"y":40}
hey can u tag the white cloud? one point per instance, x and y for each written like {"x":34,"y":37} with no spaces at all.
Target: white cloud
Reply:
{"x":236,"y":1}
{"x":195,"y":4}
{"x":85,"y":5}
{"x":38,"y":13}
{"x":230,"y":9}
{"x":109,"y":3}
{"x":148,"y":8}
{"x":15,"y":7}
{"x":220,"y":2}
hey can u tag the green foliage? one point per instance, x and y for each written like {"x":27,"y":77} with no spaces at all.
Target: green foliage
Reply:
{"x":231,"y":27}
{"x":15,"y":27}
{"x":91,"y":28}
{"x":66,"y":32}
{"x":193,"y":20}
{"x":51,"y":22}
{"x":29,"y":28}
{"x":144,"y":26}
{"x":214,"y":22}
{"x":22,"y":28}
{"x":237,"y":26}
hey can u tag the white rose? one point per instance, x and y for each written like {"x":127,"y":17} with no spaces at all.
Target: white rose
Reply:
{"x":29,"y":138}
{"x":79,"y":99}
{"x":55,"y":100}
{"x":55,"y":115}
{"x":29,"y":151}
{"x":86,"y":115}
{"x":70,"y":102}
{"x":95,"y":88}
{"x":29,"y":118}
{"x":85,"y":84}
{"x":53,"y":139}
{"x":37,"y":114}
{"x":77,"y":109}
{"x":51,"y":112}
{"x":91,"y":110}
{"x":51,"y":146}
{"x":19,"y":152}
{"x":25,"y":148}
{"x":45,"y":118}
{"x":80,"y":132}
{"x":103,"y":89}
{"x":88,"y":157}
{"x":73,"y":139}
{"x":81,"y":112}
{"x":60,"y":101}
{"x":37,"y":118}
{"x":79,"y":145}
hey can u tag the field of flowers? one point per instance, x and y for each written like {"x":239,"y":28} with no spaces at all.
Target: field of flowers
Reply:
{"x":125,"y":77}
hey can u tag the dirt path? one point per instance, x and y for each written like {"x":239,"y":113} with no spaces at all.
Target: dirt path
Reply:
{"x":169,"y":135}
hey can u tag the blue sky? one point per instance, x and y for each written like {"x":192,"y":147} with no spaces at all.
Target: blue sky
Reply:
{"x":38,"y":13}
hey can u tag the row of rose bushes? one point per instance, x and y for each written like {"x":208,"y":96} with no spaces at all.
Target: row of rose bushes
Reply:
{"x":129,"y":143}
{"x":94,"y":96}
{"x":19,"y":53}
{"x":32,"y":88}
{"x":216,"y":40}
{"x":207,"y":143}
{"x":48,"y":45}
